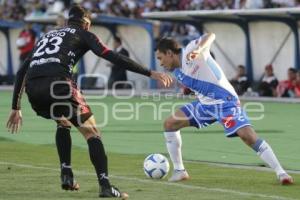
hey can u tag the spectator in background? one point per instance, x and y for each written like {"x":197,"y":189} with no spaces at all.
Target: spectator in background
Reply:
{"x":1,"y":12}
{"x":248,"y":4}
{"x":25,"y":41}
{"x":60,"y":21}
{"x":211,"y":5}
{"x":286,"y":88}
{"x":16,"y":10}
{"x":118,"y":73}
{"x":12,"y":10}
{"x":268,"y":84}
{"x":240,"y":81}
{"x":297,"y":85}
{"x":227,"y":4}
{"x":44,"y":29}
{"x":283,"y":3}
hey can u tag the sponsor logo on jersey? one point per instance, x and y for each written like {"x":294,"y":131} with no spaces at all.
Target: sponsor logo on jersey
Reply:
{"x":44,"y":61}
{"x":229,"y":121}
{"x":191,"y":56}
{"x":180,"y":77}
{"x":195,"y":69}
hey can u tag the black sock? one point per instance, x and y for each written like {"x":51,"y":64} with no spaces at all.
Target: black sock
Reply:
{"x":99,"y":160}
{"x":64,"y":145}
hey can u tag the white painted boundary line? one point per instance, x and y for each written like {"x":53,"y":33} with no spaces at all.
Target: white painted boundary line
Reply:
{"x":238,"y":166}
{"x":247,"y":194}
{"x":171,"y":91}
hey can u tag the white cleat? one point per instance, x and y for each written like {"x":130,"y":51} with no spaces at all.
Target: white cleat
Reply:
{"x":285,"y":179}
{"x":179,"y":175}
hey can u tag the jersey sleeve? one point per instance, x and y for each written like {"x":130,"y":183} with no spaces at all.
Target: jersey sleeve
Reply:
{"x":103,"y":51}
{"x":194,"y":44}
{"x":94,"y":44}
{"x":19,"y":84}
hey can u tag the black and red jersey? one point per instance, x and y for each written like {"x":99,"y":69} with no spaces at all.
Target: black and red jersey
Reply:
{"x":59,"y":50}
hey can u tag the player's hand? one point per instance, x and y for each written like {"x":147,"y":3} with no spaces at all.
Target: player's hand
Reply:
{"x":14,"y":122}
{"x":164,"y":78}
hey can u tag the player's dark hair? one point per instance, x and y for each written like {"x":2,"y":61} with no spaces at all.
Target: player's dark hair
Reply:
{"x":165,"y":44}
{"x":241,"y":67}
{"x":77,"y":15}
{"x":293,"y":70}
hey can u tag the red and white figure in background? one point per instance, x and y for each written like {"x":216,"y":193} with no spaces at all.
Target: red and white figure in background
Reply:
{"x":26,"y":41}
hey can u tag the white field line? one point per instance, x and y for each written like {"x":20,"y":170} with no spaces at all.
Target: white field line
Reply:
{"x":239,"y":166}
{"x":150,"y":92}
{"x":210,"y":189}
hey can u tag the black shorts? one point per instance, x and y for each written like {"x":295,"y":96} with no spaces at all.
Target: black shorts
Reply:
{"x":56,"y":97}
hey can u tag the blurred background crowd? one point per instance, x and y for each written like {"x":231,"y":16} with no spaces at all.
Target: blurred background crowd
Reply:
{"x":17,"y":9}
{"x":269,"y":85}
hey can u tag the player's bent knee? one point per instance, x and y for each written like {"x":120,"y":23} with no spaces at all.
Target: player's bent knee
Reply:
{"x":170,"y":125}
{"x":88,"y":131}
{"x":80,"y":120}
{"x":88,"y":128}
{"x":91,"y":135}
{"x":248,"y":135}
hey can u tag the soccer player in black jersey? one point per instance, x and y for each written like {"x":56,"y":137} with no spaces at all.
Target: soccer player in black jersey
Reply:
{"x":47,"y":77}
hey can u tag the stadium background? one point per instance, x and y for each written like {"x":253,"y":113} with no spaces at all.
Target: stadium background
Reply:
{"x":254,"y":39}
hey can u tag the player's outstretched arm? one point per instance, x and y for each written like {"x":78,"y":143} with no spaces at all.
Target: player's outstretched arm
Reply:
{"x":19,"y":84}
{"x":123,"y":61}
{"x":164,"y":78}
{"x":15,"y":118}
{"x":129,"y":64}
{"x":204,"y":45}
{"x":206,"y":41}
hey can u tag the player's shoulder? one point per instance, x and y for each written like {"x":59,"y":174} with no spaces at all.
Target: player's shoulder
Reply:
{"x":88,"y":35}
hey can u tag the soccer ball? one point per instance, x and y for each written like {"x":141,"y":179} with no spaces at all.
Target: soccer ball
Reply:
{"x":156,"y":166}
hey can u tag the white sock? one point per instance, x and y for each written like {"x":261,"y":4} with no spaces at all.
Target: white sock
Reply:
{"x":265,"y":152}
{"x":174,"y":142}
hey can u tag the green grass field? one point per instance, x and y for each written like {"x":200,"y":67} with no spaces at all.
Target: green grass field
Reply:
{"x":29,"y":164}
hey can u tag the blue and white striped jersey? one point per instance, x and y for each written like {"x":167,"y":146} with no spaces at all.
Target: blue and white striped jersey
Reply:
{"x":204,"y":76}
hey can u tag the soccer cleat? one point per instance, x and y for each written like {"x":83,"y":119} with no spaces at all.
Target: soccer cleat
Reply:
{"x":285,"y":179}
{"x":179,"y":175}
{"x":69,"y":183}
{"x":113,"y":192}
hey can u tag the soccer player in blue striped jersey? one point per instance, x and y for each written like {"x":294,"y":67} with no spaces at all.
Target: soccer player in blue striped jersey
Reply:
{"x":195,"y":68}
